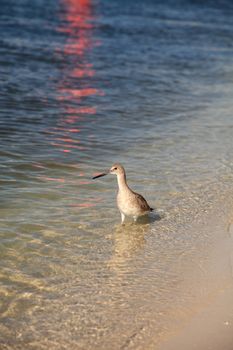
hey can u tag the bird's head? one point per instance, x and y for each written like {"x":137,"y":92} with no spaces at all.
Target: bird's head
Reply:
{"x":116,"y":169}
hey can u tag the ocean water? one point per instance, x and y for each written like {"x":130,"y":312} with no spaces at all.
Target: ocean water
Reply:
{"x":84,"y":84}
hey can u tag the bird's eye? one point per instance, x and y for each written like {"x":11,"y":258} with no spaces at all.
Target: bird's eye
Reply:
{"x":115,"y":169}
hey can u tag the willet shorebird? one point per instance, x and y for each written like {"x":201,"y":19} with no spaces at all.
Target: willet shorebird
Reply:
{"x":129,"y":202}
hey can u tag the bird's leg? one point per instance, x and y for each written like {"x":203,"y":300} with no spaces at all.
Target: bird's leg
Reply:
{"x":122,"y":218}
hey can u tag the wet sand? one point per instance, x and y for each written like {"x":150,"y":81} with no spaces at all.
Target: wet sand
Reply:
{"x":210,"y":329}
{"x":210,"y":323}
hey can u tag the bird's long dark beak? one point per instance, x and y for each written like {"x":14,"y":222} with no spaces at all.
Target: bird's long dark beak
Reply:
{"x":100,"y":175}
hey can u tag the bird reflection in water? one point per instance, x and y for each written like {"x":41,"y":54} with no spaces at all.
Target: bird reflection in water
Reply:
{"x":129,"y":241}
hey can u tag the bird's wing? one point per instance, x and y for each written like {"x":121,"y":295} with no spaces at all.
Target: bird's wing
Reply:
{"x":142,"y":202}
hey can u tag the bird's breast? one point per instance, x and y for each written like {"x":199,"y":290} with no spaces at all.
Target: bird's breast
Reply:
{"x":127,"y":204}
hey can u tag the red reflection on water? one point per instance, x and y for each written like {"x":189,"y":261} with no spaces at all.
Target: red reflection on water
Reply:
{"x":92,"y":203}
{"x":85,"y":71}
{"x":79,"y":19}
{"x":81,"y":110}
{"x":69,"y":94}
{"x":84,"y":205}
{"x":73,"y":130}
{"x":76,"y":86}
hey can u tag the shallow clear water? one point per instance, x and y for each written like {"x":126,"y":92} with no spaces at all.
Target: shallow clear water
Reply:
{"x":85,"y":84}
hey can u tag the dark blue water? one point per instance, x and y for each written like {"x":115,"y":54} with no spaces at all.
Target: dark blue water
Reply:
{"x":84,"y":84}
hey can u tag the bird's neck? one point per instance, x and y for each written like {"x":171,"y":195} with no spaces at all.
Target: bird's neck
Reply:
{"x":122,"y":184}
